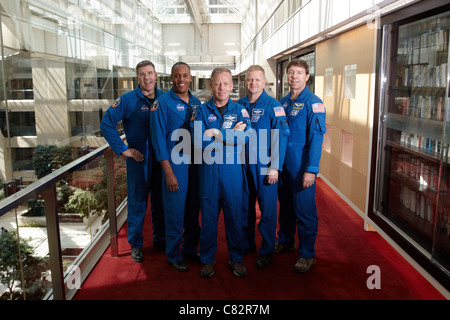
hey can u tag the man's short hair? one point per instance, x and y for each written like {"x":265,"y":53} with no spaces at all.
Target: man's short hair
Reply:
{"x":180,"y":63}
{"x":219,"y":70}
{"x":298,"y":63}
{"x":255,"y":67}
{"x":144,"y":63}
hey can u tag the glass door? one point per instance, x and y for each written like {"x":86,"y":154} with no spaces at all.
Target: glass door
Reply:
{"x":412,"y":193}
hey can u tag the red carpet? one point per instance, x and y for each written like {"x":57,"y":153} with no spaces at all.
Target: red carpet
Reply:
{"x":344,"y":252}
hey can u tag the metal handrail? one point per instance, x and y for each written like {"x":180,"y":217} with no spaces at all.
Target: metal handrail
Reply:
{"x":37,"y":187}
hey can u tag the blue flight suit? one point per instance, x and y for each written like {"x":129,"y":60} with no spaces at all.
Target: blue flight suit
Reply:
{"x":265,"y":114}
{"x":306,"y":119}
{"x":133,"y":108}
{"x":221,"y":176}
{"x":172,"y":141}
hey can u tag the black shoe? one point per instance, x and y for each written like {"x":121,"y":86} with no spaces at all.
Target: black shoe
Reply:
{"x":304,"y":265}
{"x":283,"y":248}
{"x":137,"y":255}
{"x":180,"y":266}
{"x":263,"y":261}
{"x":207,"y":270}
{"x":238,"y":268}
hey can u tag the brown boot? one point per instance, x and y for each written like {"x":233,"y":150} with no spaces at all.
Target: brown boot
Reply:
{"x":304,"y":265}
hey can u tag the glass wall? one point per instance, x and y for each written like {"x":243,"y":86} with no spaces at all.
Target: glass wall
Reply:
{"x":412,"y":193}
{"x":60,"y":72}
{"x":283,"y":86}
{"x":63,"y":63}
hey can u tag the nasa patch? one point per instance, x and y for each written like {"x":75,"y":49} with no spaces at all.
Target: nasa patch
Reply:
{"x":212,"y":118}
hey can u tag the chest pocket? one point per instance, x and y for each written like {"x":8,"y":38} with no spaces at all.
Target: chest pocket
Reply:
{"x":285,"y":127}
{"x":319,"y":125}
{"x":178,"y":114}
{"x":142,"y":112}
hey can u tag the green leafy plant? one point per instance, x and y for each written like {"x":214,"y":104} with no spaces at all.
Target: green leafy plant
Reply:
{"x":83,"y":202}
{"x":35,"y":208}
{"x":33,"y":268}
{"x":50,"y":157}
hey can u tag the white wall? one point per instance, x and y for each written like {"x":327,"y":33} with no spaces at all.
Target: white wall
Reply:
{"x":220,"y":43}
{"x":314,"y":17}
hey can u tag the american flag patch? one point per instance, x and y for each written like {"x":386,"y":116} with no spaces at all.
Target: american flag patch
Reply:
{"x":318,"y":107}
{"x":245,"y":113}
{"x":279,"y":112}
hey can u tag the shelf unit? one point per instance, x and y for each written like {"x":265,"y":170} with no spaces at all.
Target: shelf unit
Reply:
{"x":412,"y":183}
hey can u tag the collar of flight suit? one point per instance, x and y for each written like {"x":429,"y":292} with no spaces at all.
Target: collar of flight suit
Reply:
{"x":305,"y":92}
{"x":212,"y":106}
{"x":260,"y":100}
{"x":140,"y":94}
{"x":175,"y":97}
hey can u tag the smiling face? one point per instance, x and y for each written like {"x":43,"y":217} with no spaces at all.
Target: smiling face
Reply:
{"x":146,"y":78}
{"x":181,"y":79}
{"x":255,"y":82}
{"x":297,"y":78}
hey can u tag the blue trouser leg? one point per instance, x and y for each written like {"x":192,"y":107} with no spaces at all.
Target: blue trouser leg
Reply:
{"x":174,"y":205}
{"x":233,"y":227}
{"x":156,"y":202}
{"x":208,"y":234}
{"x":210,"y":209}
{"x":267,"y":226}
{"x":191,"y":233}
{"x":286,"y":219}
{"x":138,"y":192}
{"x":307,"y":227}
{"x":250,"y":212}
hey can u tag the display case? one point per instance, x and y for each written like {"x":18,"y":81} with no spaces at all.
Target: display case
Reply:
{"x":411,"y":193}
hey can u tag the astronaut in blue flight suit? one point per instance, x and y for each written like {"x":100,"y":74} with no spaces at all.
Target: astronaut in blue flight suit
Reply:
{"x":133,"y":108}
{"x":306,"y":117}
{"x":171,"y":115}
{"x":266,"y":113}
{"x":221,"y":172}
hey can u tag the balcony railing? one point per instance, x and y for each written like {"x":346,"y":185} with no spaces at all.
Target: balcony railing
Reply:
{"x":65,"y":278}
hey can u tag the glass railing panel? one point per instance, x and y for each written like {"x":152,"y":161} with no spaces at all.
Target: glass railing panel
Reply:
{"x":24,"y":259}
{"x":57,"y":220}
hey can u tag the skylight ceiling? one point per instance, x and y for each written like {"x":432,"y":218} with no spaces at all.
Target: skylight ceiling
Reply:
{"x":200,"y":11}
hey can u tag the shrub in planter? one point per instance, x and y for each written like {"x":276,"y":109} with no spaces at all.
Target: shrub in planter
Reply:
{"x":83,"y":202}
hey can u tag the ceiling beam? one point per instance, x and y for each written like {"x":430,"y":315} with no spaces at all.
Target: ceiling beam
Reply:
{"x":195,"y":14}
